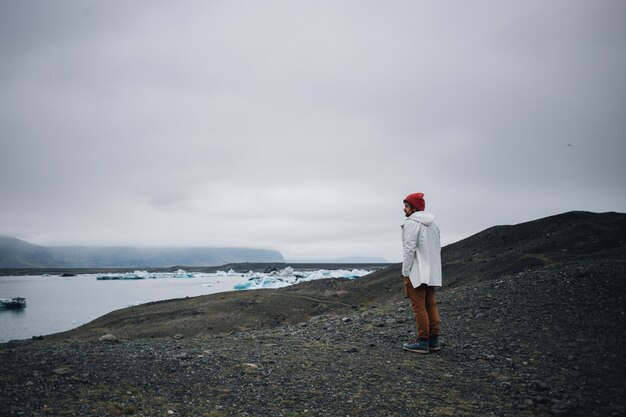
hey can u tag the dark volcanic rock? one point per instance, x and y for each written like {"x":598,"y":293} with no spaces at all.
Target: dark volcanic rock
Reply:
{"x":543,"y":341}
{"x":502,"y":250}
{"x":525,"y":344}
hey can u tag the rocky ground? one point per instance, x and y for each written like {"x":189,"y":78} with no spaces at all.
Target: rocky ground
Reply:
{"x":543,"y":342}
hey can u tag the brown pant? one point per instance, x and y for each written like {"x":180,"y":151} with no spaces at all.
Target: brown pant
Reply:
{"x":425,"y":307}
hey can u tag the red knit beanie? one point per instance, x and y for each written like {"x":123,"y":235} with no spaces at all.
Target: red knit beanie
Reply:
{"x":416,"y":200}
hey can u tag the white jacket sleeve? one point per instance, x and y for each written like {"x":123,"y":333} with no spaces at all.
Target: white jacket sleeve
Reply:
{"x":409,"y":245}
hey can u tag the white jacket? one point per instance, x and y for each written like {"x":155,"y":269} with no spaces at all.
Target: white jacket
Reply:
{"x":422,"y":249}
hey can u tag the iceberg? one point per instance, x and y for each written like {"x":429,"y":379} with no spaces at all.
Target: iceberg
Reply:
{"x":15,"y":303}
{"x":125,"y":276}
{"x":320,"y":274}
{"x":272,"y":278}
{"x":118,"y":277}
{"x":288,"y":276}
{"x":243,"y":286}
{"x":287,"y":272}
{"x":230,"y":273}
{"x":181,"y":273}
{"x":262,"y":282}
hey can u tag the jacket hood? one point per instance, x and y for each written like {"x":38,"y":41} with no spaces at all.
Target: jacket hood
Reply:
{"x":423,"y":217}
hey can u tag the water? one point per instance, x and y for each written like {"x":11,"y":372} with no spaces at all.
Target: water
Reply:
{"x":55,"y":304}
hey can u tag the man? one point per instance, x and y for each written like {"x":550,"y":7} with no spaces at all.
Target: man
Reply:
{"x":421,"y":271}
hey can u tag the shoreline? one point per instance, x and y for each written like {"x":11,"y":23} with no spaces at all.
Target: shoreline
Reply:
{"x":97,"y":299}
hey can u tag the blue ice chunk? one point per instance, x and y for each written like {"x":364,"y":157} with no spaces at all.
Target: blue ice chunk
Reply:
{"x":243,"y":285}
{"x":181,"y":273}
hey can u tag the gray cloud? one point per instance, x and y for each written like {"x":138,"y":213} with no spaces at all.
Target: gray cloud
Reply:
{"x":300,"y":126}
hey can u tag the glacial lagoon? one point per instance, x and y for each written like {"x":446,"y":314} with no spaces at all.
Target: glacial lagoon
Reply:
{"x":55,"y":304}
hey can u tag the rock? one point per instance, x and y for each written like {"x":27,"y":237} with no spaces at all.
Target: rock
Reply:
{"x":182,"y":356}
{"x":178,"y":336}
{"x":346,"y":319}
{"x":108,"y":338}
{"x":559,"y":409}
{"x":63,"y":371}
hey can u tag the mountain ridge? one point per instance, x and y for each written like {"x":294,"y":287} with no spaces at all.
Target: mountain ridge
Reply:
{"x":16,"y":253}
{"x":509,"y":249}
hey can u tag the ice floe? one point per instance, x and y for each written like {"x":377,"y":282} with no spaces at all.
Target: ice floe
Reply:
{"x":274,"y":278}
{"x":181,"y":273}
{"x":15,"y":303}
{"x":288,"y":276}
{"x":226,"y":274}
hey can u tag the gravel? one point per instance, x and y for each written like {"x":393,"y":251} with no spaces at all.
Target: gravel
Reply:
{"x":544,"y":342}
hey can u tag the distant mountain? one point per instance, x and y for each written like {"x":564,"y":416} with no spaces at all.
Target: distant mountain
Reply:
{"x":120,"y":257}
{"x":16,"y":253}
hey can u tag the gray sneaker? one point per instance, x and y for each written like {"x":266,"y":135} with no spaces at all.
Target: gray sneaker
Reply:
{"x":433,"y":344}
{"x":417,"y":346}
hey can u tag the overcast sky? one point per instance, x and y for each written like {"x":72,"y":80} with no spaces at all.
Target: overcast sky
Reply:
{"x":300,"y":126}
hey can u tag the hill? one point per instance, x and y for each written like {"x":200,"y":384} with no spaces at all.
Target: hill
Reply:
{"x":18,"y":254}
{"x":502,"y":250}
{"x":15,"y":253}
